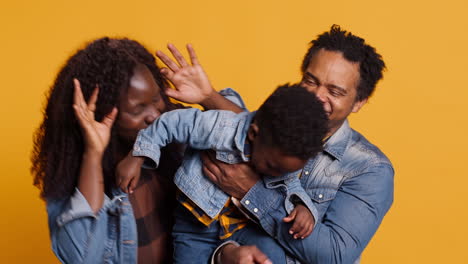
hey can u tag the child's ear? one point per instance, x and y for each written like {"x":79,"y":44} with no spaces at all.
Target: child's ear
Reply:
{"x":253,"y":131}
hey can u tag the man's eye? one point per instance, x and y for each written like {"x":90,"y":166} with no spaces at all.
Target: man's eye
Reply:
{"x":335,"y":93}
{"x":310,"y":82}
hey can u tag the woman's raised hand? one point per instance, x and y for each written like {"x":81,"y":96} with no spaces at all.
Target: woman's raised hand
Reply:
{"x":190,"y":81}
{"x":96,"y":134}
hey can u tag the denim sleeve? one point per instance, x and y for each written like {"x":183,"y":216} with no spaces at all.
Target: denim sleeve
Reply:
{"x":234,"y":97}
{"x":73,"y":225}
{"x":292,"y":190}
{"x":348,"y":224}
{"x":197,"y":129}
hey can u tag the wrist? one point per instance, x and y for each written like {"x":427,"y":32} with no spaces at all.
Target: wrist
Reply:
{"x":210,"y":100}
{"x":93,"y":154}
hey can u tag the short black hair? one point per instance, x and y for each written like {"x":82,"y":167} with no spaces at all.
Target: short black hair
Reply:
{"x":293,"y":120}
{"x":354,"y":49}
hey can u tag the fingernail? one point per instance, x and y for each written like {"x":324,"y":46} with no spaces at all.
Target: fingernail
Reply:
{"x":291,"y":232}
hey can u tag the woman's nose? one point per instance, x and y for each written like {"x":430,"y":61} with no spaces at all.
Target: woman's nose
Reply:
{"x":151,"y":116}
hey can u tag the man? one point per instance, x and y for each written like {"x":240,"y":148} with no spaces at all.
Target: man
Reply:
{"x":350,"y":182}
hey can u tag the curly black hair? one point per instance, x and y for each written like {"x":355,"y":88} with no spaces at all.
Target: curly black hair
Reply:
{"x":58,"y":143}
{"x":354,"y":49}
{"x":293,"y":120}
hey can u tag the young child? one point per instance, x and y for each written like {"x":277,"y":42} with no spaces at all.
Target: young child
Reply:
{"x":277,"y":140}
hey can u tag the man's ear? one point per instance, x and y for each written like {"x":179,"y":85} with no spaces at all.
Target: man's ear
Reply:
{"x":357,"y":105}
{"x":253,"y":131}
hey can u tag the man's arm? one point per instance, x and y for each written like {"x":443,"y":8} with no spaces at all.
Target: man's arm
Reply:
{"x":347,"y":226}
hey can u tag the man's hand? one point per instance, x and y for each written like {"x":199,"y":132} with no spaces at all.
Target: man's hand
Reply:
{"x":242,"y":255}
{"x":128,"y":172}
{"x":190,"y":81}
{"x":303,"y":222}
{"x":234,"y":179}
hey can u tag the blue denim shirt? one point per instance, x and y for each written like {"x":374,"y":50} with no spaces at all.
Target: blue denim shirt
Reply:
{"x":351,"y":185}
{"x":79,"y":235}
{"x":222,"y":131}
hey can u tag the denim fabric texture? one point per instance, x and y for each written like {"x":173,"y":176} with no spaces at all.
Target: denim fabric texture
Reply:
{"x":192,"y":238}
{"x":80,"y":236}
{"x":222,"y":131}
{"x":351,"y":186}
{"x":110,"y":236}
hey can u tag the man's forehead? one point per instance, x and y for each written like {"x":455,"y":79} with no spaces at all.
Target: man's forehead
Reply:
{"x":331,"y":68}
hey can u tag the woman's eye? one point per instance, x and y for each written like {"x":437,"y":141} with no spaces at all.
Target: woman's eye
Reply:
{"x":137,"y":110}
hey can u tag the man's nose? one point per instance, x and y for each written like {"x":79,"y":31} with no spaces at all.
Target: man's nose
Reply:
{"x":321,"y":93}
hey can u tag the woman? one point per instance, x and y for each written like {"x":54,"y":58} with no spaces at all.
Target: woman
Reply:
{"x":79,"y":144}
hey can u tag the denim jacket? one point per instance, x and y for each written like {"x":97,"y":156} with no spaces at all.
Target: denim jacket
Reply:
{"x":222,"y":131}
{"x":351,"y":185}
{"x":79,"y":235}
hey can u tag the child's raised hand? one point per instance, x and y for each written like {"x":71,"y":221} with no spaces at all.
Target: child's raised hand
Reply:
{"x":190,"y":81}
{"x":128,"y":172}
{"x":303,"y":222}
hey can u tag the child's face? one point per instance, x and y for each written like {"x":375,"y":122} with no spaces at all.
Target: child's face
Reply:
{"x":271,"y":161}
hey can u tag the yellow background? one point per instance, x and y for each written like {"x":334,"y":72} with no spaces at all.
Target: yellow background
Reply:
{"x":418,"y":115}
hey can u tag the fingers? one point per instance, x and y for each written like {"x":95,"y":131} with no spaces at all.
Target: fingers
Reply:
{"x":210,"y":168}
{"x":167,"y":61}
{"x":133,"y":184}
{"x":290,"y":217}
{"x":296,"y":229}
{"x":167,"y":73}
{"x":179,"y":58}
{"x":302,"y":227}
{"x":93,"y":99}
{"x":259,"y":257}
{"x":172,"y":93}
{"x":304,"y":232}
{"x":78,"y":98}
{"x":123,"y":184}
{"x":110,"y":118}
{"x":79,"y":104}
{"x":192,"y":54}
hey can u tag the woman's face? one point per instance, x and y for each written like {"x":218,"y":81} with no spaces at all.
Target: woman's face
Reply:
{"x":139,"y":105}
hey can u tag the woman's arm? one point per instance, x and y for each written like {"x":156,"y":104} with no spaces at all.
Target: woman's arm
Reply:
{"x":96,"y":137}
{"x":191,"y":82}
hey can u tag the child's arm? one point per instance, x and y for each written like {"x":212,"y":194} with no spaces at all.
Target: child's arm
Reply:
{"x":303,"y":222}
{"x":197,"y":129}
{"x":128,"y":172}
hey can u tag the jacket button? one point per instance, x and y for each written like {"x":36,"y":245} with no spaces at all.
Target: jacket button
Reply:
{"x":255,"y":210}
{"x":320,"y":196}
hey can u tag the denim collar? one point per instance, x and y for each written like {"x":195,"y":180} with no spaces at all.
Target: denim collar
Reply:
{"x":337,"y":143}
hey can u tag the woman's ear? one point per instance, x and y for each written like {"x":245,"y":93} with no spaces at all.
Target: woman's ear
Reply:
{"x":253,"y":131}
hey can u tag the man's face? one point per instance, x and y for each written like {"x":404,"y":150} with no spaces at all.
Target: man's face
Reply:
{"x":334,"y":80}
